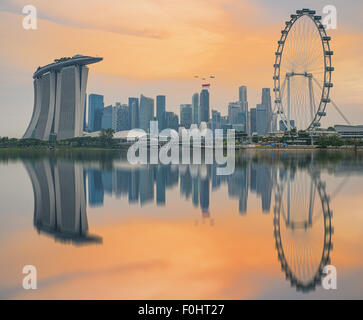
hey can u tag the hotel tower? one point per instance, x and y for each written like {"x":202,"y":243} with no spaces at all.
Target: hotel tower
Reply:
{"x":59,"y":99}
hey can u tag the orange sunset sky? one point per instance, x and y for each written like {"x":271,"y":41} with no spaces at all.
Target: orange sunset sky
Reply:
{"x":155,"y":47}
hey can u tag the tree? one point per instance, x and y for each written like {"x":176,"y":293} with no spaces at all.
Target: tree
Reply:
{"x":107,"y":133}
{"x":303,"y":134}
{"x":240,"y":136}
{"x":334,"y":141}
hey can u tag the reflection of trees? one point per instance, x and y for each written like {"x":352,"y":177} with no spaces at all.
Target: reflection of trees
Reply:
{"x":302,"y":227}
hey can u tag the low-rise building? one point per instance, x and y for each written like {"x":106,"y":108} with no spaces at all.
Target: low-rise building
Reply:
{"x":349,"y":132}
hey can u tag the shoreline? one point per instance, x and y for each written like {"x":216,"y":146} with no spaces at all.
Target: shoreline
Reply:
{"x":294,"y":147}
{"x":237,"y":148}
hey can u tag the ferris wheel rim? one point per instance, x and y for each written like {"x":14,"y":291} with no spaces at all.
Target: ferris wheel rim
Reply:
{"x":328,"y":69}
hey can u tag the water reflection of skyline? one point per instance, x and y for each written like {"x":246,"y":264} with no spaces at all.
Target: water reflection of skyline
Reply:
{"x":149,"y":184}
{"x":291,"y":186}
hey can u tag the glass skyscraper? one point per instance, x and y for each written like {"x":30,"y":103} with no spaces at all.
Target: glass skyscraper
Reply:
{"x":134,"y":113}
{"x":186,"y":115}
{"x":146,"y":112}
{"x":204,"y":105}
{"x":253,"y":120}
{"x":195,"y":106}
{"x":95,"y":109}
{"x":160,"y":111}
{"x":107,"y":118}
{"x":244,"y":105}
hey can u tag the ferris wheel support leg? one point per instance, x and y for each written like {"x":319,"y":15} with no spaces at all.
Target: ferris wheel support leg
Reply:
{"x":288,"y":104}
{"x":311,"y":94}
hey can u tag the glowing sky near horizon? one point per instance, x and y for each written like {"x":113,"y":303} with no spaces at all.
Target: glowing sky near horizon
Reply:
{"x":155,"y":47}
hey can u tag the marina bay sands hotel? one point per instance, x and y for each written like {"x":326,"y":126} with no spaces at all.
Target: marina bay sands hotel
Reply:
{"x":59,"y":99}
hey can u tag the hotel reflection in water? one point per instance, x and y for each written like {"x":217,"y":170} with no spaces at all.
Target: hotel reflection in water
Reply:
{"x":301,"y":222}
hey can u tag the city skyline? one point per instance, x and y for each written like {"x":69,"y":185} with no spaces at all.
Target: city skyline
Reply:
{"x":122,"y":117}
{"x":147,"y":64}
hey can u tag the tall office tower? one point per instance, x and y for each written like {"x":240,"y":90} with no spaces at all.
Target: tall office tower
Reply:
{"x":172,"y":121}
{"x":243,"y":96}
{"x":195,"y":106}
{"x":95,"y":109}
{"x":60,"y":200}
{"x":266,"y":102}
{"x":224,"y":120}
{"x":160,"y":112}
{"x":262,"y":122}
{"x":123,"y":118}
{"x":107,"y":118}
{"x":59,"y":99}
{"x":204,"y":105}
{"x":216,"y":120}
{"x":186,"y":115}
{"x":244,"y":104}
{"x":242,"y":121}
{"x":115,"y":109}
{"x":253,"y":121}
{"x":134,"y":113}
{"x":234,"y":108}
{"x":146,"y":112}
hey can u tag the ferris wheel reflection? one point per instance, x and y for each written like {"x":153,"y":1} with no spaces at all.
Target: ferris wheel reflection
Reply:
{"x":302,"y":227}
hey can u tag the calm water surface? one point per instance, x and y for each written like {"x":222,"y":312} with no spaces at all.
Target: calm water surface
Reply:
{"x":97,"y":227}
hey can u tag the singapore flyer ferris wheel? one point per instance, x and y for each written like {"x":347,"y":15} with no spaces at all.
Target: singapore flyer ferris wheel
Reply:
{"x":303,"y":72}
